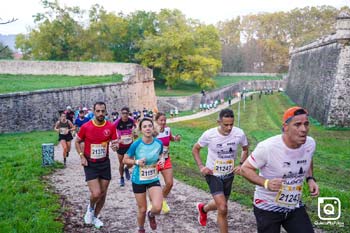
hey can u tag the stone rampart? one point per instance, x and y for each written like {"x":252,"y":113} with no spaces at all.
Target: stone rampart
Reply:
{"x":319,"y":76}
{"x":38,"y":110}
{"x":192,"y":102}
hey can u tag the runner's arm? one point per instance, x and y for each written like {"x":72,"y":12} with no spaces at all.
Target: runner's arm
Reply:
{"x":249,"y":172}
{"x":196,"y":155}
{"x":313,"y":187}
{"x":56,"y":127}
{"x":131,"y":161}
{"x":72,"y":127}
{"x":80,"y":152}
{"x":244,"y":156}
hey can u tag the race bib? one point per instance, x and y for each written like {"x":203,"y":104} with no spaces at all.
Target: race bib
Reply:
{"x":148,"y":172}
{"x":126,"y":139}
{"x":223,"y":167}
{"x":63,"y":130}
{"x":166,"y":152}
{"x":98,"y":151}
{"x":289,"y":195}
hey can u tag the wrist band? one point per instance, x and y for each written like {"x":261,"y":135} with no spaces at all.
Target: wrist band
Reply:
{"x":136,"y":162}
{"x":266,"y":184}
{"x":310,"y":178}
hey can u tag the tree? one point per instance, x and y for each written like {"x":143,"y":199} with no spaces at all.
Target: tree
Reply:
{"x":181,"y":49}
{"x":57,"y":36}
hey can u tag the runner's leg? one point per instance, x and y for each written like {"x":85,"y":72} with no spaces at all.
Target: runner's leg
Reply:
{"x":101,"y":201}
{"x":221,"y":205}
{"x":156,"y":196}
{"x":142,"y":208}
{"x":169,"y":181}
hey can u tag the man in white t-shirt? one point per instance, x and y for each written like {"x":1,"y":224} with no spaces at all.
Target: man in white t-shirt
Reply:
{"x":222,"y":143}
{"x":283,"y":161}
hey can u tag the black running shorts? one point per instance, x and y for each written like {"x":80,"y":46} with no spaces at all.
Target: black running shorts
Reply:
{"x":141,"y":188}
{"x":122,"y":151}
{"x":67,"y":137}
{"x":101,"y":170}
{"x":218,"y":185}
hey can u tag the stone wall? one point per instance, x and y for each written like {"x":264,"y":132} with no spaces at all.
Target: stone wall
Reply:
{"x":38,"y":110}
{"x":192,"y":102}
{"x":319,"y":76}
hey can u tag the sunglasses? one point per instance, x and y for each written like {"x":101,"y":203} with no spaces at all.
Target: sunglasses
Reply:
{"x":125,"y":113}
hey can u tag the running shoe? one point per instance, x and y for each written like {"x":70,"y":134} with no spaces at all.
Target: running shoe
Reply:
{"x":142,"y":231}
{"x":97,"y":222}
{"x":122,"y":182}
{"x":88,"y":218}
{"x":152,"y":221}
{"x":165,"y":207}
{"x":127,"y":173}
{"x":202,"y":217}
{"x":149,"y":207}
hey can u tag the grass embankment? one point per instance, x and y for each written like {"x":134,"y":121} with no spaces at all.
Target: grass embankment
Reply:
{"x":14,"y":83}
{"x":262,"y":119}
{"x":26,"y":202}
{"x":190,"y":87}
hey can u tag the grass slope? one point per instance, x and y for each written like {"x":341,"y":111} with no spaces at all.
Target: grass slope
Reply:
{"x":26,"y":202}
{"x":13,"y":83}
{"x":262,"y":119}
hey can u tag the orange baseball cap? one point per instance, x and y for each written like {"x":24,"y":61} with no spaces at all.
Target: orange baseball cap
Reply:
{"x":291,"y":112}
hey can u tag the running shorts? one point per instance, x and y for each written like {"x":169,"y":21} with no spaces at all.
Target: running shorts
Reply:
{"x":218,"y":185}
{"x":101,"y":170}
{"x":141,"y":188}
{"x":167,"y":165}
{"x":67,"y":137}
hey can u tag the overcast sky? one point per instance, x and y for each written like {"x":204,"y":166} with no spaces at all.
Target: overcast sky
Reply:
{"x":209,"y":12}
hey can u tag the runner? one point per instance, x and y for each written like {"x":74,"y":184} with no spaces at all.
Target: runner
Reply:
{"x":64,"y":127}
{"x":165,"y":136}
{"x":125,"y":126}
{"x":144,"y":153}
{"x":283,"y":162}
{"x":96,"y":134}
{"x":80,"y":120}
{"x":222,"y":143}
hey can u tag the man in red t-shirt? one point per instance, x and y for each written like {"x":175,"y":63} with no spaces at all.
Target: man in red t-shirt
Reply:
{"x":96,"y":134}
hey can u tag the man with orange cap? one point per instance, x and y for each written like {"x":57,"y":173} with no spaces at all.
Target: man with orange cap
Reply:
{"x":284,"y":163}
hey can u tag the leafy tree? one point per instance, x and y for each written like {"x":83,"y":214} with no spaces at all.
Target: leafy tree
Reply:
{"x":57,"y":36}
{"x":181,"y":49}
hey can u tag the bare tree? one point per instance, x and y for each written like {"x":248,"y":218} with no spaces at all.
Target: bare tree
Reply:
{"x":8,"y":21}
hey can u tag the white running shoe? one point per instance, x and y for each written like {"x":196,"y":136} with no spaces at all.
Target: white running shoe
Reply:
{"x":97,"y":222}
{"x":88,"y":218}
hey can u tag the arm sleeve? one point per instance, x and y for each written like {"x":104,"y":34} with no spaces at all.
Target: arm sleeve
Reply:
{"x":132,"y":149}
{"x":258,"y":158}
{"x":244,"y":140}
{"x":203,"y":140}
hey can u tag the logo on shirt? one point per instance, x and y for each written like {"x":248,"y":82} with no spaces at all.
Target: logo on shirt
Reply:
{"x":301,"y":161}
{"x":286,"y":164}
{"x":106,"y":132}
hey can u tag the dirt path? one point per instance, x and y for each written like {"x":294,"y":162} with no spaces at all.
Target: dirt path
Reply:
{"x":119,"y":212}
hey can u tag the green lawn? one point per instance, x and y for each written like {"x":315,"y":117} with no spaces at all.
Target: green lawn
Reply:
{"x":27,"y":204}
{"x":262,"y":119}
{"x":187,"y":88}
{"x":14,"y":83}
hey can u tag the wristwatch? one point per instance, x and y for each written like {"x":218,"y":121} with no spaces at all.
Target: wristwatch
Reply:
{"x":81,"y":153}
{"x":310,"y":178}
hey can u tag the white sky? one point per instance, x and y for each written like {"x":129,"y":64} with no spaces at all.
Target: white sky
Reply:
{"x":206,"y":11}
